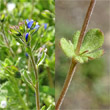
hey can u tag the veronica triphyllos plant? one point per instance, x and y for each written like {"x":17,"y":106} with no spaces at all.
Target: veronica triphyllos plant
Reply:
{"x":25,"y":34}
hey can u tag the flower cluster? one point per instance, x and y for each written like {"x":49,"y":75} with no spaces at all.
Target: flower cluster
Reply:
{"x":25,"y":30}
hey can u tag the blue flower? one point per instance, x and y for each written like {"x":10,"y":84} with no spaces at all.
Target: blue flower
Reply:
{"x":26,"y":36}
{"x":45,"y":25}
{"x":36,"y":27}
{"x":27,"y":55}
{"x":29,"y":23}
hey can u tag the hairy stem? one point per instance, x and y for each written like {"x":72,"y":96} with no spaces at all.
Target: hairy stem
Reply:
{"x":6,"y":41}
{"x":37,"y":83}
{"x":73,"y":64}
{"x":85,"y":24}
{"x":66,"y":84}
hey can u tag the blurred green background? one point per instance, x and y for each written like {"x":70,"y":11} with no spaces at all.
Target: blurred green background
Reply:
{"x":41,"y":11}
{"x":90,"y":87}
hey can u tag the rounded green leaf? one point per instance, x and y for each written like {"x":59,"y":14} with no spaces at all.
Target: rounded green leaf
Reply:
{"x":67,"y":47}
{"x":96,"y":54}
{"x":92,"y":40}
{"x":76,"y":38}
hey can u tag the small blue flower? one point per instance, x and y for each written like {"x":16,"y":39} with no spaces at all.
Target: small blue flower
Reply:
{"x":45,"y":25}
{"x":36,"y":27}
{"x":29,"y":23}
{"x":27,"y":55}
{"x":26,"y":36}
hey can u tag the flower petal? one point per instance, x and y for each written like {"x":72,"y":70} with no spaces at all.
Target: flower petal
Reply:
{"x":27,"y":20}
{"x":36,"y":27}
{"x":29,"y":24}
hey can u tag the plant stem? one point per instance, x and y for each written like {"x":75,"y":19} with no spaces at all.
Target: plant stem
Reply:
{"x":66,"y":84}
{"x":73,"y":64}
{"x":37,"y":82}
{"x":33,"y":1}
{"x":6,"y":41}
{"x":85,"y":24}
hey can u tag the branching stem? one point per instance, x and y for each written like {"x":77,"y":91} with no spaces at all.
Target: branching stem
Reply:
{"x":37,"y":82}
{"x":73,"y":64}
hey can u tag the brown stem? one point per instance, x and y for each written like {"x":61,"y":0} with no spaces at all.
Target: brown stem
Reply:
{"x":66,"y":84}
{"x":85,"y":24}
{"x":73,"y":64}
{"x":37,"y":83}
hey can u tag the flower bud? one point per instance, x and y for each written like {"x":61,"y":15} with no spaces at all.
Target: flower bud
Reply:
{"x":45,"y":25}
{"x":26,"y":54}
{"x":15,"y":32}
{"x":46,"y":14}
{"x":2,"y":18}
{"x":26,"y":37}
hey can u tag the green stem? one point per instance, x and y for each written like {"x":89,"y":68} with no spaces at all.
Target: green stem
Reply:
{"x":85,"y":24}
{"x":33,"y":1}
{"x":6,"y":41}
{"x":37,"y":82}
{"x":66,"y":84}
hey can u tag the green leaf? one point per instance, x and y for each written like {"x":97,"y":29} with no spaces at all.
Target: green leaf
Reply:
{"x":96,"y":54}
{"x":92,"y":40}
{"x":43,"y":108}
{"x":67,"y":47}
{"x":8,"y":62}
{"x":79,"y":59}
{"x":47,"y":90}
{"x":51,"y":107}
{"x":15,"y":32}
{"x":75,"y":38}
{"x":2,"y":18}
{"x":41,"y":59}
{"x":46,"y":14}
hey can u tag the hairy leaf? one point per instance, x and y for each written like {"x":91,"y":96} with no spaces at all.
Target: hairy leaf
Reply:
{"x":75,"y":38}
{"x":67,"y":47}
{"x":96,"y":54}
{"x":92,"y":40}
